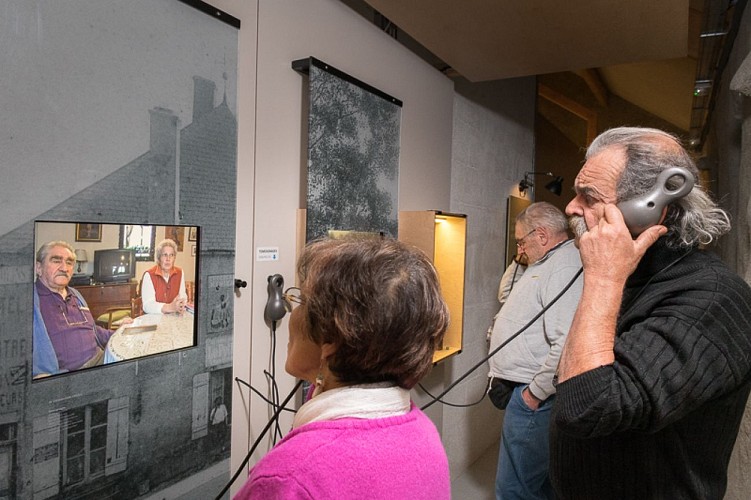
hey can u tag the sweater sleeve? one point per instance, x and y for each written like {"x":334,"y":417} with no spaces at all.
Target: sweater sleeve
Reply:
{"x":556,"y":324}
{"x":148,"y":296}
{"x":510,"y":276}
{"x":181,"y":291}
{"x":671,"y":356}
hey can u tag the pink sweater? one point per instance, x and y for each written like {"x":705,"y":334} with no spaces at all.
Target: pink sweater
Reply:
{"x":387,"y":458}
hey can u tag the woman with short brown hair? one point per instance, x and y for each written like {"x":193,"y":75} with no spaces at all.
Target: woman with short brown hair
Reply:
{"x":369,"y":318}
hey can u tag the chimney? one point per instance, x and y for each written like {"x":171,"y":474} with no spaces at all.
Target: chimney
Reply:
{"x":203,"y":96}
{"x":164,"y":131}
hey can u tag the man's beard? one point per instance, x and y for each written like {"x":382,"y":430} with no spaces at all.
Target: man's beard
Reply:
{"x":577,"y":225}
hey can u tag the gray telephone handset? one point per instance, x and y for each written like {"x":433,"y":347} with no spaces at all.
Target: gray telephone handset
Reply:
{"x":645,"y":211}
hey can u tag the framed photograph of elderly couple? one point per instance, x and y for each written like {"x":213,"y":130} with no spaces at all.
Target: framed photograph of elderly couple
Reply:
{"x":129,"y":284}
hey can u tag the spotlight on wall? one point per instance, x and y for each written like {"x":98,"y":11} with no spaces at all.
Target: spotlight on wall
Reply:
{"x":555,"y":186}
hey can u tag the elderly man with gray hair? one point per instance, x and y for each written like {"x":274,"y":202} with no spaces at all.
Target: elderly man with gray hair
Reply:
{"x":522,"y":372}
{"x":656,"y":370}
{"x":66,"y":337}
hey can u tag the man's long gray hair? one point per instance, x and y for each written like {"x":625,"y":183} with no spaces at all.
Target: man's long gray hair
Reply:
{"x":695,"y":218}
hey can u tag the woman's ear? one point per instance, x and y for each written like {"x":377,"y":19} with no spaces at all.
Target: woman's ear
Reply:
{"x":327,"y":349}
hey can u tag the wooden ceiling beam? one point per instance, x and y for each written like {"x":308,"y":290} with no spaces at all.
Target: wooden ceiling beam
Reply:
{"x":598,"y":88}
{"x":588,"y":115}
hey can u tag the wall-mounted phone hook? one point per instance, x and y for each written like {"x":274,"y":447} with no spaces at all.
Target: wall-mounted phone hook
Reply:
{"x":275,"y":307}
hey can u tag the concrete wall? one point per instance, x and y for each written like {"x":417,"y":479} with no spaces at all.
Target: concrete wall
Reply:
{"x":493,"y":145}
{"x":728,"y":154}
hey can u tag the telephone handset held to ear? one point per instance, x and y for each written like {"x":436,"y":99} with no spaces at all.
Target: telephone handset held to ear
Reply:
{"x":645,"y":211}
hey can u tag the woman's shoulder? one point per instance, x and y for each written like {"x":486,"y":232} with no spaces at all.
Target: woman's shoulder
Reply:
{"x":345,"y":436}
{"x":151,"y":270}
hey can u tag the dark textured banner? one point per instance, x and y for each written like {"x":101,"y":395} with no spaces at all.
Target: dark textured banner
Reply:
{"x":353,"y":156}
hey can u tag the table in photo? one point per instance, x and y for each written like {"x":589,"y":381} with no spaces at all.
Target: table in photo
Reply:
{"x":150,"y":334}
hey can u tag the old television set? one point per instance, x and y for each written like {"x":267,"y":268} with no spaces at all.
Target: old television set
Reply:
{"x":108,"y":282}
{"x":114,"y":265}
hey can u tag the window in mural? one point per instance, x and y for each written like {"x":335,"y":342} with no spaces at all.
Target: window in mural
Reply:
{"x":84,"y":443}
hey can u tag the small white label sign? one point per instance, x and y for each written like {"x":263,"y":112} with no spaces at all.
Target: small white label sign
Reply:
{"x":267,"y":253}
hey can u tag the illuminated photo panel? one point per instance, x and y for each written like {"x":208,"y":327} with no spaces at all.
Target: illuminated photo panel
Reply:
{"x":130,"y":292}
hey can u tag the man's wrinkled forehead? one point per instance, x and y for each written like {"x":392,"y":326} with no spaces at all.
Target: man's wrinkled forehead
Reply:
{"x":601,"y":173}
{"x":61,"y":253}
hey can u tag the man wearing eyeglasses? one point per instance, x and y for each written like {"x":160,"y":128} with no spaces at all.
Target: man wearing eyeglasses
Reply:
{"x":522,"y":372}
{"x":66,"y":338}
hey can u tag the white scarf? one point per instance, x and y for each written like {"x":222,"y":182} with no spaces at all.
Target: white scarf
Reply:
{"x":356,"y":401}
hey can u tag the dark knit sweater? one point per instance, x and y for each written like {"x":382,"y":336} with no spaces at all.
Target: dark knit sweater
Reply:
{"x":661,"y":421}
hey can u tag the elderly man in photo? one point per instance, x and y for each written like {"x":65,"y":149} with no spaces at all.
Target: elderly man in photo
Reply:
{"x":66,"y":337}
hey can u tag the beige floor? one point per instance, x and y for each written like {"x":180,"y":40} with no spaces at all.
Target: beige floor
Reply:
{"x":478,"y":481}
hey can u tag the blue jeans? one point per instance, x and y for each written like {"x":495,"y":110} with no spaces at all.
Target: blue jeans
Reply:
{"x":523,"y":459}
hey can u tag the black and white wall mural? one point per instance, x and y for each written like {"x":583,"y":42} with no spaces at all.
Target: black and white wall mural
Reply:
{"x":117,"y":113}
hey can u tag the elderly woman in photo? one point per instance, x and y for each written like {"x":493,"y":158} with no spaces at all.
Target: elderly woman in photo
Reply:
{"x":163,"y":285}
{"x":369,"y":317}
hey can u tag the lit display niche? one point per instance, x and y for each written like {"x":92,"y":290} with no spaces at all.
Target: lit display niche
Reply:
{"x":443,"y":237}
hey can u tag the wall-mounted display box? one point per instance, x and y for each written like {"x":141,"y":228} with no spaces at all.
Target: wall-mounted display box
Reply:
{"x":443,"y":237}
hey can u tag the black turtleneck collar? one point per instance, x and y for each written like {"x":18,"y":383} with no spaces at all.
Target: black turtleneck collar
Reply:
{"x":656,"y":260}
